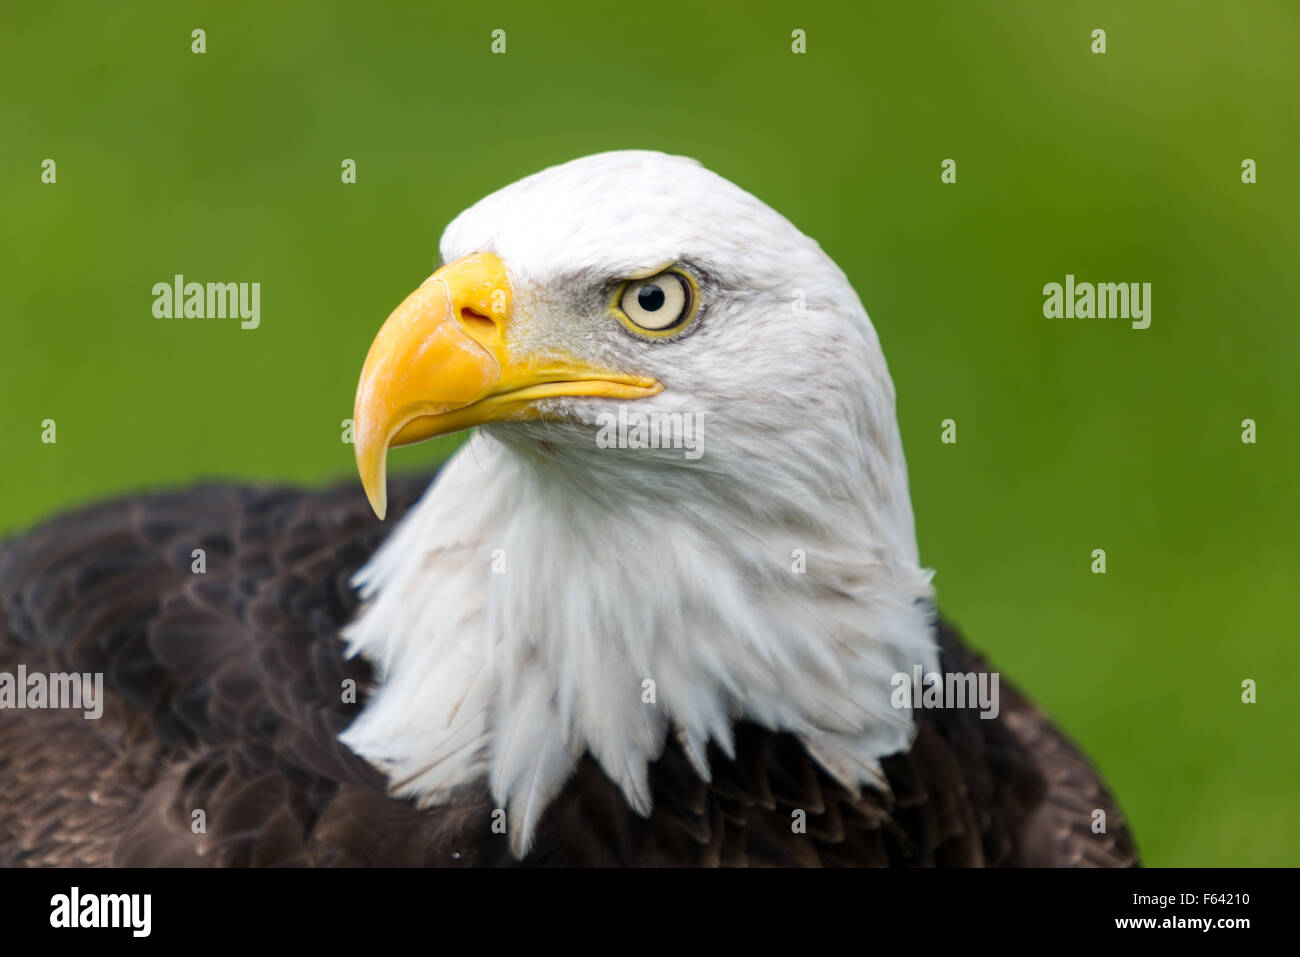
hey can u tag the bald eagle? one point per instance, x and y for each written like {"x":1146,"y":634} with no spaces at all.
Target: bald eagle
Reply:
{"x":654,"y":612}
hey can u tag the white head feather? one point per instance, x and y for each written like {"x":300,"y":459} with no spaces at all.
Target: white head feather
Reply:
{"x":622,"y":565}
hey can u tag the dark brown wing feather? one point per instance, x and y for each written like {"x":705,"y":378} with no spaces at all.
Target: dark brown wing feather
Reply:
{"x":224,"y":696}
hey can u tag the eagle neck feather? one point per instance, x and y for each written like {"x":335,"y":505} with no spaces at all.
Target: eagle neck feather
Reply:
{"x":526,"y":612}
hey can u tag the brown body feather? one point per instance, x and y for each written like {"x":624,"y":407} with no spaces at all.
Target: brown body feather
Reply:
{"x":224,"y":695}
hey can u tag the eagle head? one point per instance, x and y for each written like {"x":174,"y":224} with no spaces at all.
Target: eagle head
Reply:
{"x":686,"y":503}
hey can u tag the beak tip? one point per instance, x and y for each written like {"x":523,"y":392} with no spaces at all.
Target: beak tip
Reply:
{"x":373,"y":472}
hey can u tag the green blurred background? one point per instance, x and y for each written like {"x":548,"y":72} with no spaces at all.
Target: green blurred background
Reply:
{"x":1072,"y":434}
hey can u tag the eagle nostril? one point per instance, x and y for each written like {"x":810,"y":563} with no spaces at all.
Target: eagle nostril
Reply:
{"x":475,"y":322}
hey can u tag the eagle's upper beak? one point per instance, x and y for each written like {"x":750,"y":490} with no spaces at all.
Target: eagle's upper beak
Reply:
{"x":442,"y":363}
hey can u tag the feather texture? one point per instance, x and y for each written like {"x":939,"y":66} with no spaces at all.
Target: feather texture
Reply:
{"x":223,"y":696}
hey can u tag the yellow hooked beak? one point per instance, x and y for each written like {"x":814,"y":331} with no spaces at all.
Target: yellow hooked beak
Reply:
{"x":441,"y":364}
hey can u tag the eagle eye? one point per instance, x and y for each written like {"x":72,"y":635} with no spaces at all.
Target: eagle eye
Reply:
{"x":659,"y":305}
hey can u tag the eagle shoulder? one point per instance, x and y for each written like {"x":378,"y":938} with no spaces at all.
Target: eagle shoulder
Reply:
{"x":213,"y":616}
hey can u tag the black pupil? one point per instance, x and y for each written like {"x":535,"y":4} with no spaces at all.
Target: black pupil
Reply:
{"x":650,"y":298}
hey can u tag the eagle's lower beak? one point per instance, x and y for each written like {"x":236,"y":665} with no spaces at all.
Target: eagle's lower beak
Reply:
{"x":441,"y":364}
